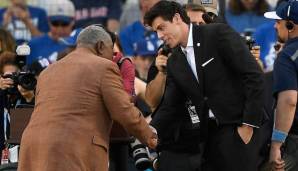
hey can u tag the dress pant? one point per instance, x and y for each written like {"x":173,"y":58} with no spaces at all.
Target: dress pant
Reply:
{"x":226,"y":151}
{"x":176,"y":161}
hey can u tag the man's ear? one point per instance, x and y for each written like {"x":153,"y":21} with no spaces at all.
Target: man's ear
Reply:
{"x":176,"y":18}
{"x":99,"y":47}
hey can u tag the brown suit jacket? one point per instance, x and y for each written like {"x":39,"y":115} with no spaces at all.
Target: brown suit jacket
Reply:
{"x":76,"y":100}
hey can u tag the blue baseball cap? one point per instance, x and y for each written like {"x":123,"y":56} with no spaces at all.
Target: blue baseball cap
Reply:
{"x":71,"y":40}
{"x":285,"y":11}
{"x":145,"y":48}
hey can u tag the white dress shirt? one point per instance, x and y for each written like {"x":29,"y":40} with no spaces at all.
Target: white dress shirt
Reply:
{"x":190,"y":54}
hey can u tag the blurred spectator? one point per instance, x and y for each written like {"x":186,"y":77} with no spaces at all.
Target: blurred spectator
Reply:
{"x":131,"y":13}
{"x":265,"y":37}
{"x":246,"y":15}
{"x":61,"y":20}
{"x":195,"y":13}
{"x":7,"y":42}
{"x":136,"y":32}
{"x":145,"y":53}
{"x":23,"y":21}
{"x":105,"y":12}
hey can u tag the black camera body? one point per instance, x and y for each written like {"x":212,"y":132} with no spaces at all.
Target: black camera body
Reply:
{"x":25,"y":79}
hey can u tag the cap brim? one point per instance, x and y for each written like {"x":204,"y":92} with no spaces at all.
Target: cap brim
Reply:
{"x":272,"y":15}
{"x":212,"y":10}
{"x":61,"y":18}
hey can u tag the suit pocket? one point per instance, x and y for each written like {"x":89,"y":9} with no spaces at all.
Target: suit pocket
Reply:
{"x":96,"y":140}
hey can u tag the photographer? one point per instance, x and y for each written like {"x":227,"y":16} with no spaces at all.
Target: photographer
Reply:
{"x":16,"y":94}
{"x":11,"y":95}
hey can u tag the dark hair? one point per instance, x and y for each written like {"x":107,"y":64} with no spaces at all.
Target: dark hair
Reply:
{"x":166,"y":10}
{"x":194,"y":7}
{"x":7,"y":58}
{"x":7,"y":41}
{"x":237,"y":7}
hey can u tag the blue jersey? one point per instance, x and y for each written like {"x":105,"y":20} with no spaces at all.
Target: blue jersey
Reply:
{"x":96,"y":11}
{"x":44,"y":47}
{"x":285,"y":73}
{"x":245,"y":22}
{"x":134,"y":33}
{"x":265,"y":37}
{"x":18,"y":28}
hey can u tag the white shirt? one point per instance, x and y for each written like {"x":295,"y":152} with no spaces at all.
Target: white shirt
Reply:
{"x":190,"y":54}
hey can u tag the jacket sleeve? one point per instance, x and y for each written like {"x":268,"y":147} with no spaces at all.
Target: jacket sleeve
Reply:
{"x":118,"y":104}
{"x":237,"y":56}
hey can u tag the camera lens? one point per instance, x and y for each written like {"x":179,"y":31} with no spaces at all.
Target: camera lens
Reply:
{"x":140,"y":155}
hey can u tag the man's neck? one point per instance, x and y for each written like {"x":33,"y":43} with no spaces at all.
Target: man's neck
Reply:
{"x":86,"y":48}
{"x":185,"y":33}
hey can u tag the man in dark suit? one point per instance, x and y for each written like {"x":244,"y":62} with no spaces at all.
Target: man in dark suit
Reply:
{"x":212,"y":66}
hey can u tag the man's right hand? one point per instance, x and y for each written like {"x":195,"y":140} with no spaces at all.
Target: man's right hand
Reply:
{"x":161,"y":63}
{"x":152,"y":143}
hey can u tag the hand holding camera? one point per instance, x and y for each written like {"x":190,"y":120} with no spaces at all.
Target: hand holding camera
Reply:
{"x":6,"y":83}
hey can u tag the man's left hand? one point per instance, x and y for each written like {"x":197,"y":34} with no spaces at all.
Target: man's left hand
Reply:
{"x":245,"y":133}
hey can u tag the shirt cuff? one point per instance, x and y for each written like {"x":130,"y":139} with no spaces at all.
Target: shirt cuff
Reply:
{"x":250,"y":125}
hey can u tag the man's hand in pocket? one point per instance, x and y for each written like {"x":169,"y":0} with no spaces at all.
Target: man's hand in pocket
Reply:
{"x":245,"y":132}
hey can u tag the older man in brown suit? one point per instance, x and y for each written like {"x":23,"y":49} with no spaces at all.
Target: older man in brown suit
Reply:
{"x":76,"y":100}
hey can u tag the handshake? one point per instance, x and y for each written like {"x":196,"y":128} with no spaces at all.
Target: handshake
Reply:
{"x":153,"y":142}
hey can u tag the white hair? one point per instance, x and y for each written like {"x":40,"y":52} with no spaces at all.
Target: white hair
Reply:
{"x":92,"y":35}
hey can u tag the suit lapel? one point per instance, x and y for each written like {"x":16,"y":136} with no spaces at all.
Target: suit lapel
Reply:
{"x":183,"y":67}
{"x":197,"y":46}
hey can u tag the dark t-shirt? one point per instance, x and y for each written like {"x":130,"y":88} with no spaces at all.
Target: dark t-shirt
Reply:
{"x":285,"y":73}
{"x":96,"y":11}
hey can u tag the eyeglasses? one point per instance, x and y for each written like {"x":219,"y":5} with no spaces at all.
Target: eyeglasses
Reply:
{"x":60,"y":23}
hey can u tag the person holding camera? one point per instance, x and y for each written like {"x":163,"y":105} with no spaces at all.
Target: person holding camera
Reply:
{"x":12,"y":95}
{"x":214,"y":69}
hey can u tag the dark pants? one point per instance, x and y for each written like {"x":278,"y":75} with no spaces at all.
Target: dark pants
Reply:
{"x":225,"y":150}
{"x":173,"y":161}
{"x":118,"y":157}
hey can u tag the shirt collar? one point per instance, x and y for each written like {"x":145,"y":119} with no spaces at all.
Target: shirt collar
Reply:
{"x":189,"y":39}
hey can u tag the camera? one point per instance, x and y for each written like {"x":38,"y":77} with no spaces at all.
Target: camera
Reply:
{"x":140,"y":155}
{"x":25,"y":79}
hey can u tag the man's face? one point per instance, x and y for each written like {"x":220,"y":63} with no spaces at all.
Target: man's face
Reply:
{"x":107,"y":50}
{"x":196,"y":16}
{"x":60,"y":29}
{"x":169,"y":32}
{"x":282,"y":31}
